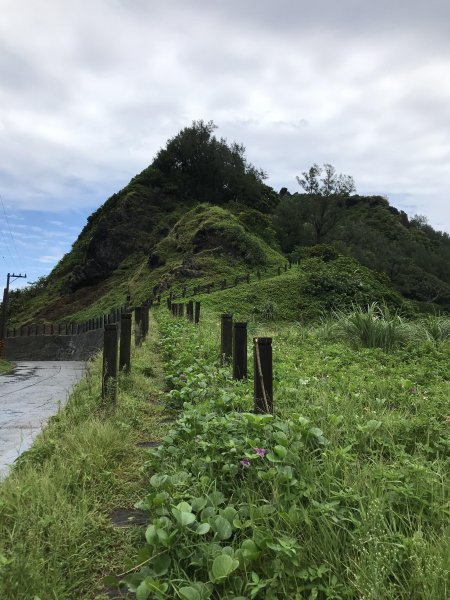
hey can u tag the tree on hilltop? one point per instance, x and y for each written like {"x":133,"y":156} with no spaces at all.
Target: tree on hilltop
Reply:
{"x":197,"y":166}
{"x":308,"y":218}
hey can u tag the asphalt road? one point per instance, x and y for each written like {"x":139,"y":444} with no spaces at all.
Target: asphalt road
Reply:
{"x":28,"y":397}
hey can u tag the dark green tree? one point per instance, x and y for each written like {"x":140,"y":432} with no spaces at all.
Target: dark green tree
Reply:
{"x":325,"y":197}
{"x":198,"y":167}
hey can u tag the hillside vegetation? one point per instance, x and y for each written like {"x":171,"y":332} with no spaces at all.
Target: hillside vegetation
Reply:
{"x":201,"y":209}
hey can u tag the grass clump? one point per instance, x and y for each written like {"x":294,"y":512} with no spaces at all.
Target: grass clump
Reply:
{"x":5,"y":367}
{"x":372,"y":327}
{"x":434,"y":328}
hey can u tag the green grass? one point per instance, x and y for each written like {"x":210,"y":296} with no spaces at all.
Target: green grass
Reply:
{"x":351,"y":498}
{"x":306,"y":292}
{"x":5,"y":367}
{"x":55,"y":537}
{"x":347,"y":497}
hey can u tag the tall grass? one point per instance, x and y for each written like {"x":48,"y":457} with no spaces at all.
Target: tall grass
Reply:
{"x":373,"y":327}
{"x":434,"y":328}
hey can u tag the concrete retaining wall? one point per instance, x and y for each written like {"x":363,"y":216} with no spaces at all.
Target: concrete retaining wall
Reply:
{"x":54,"y":347}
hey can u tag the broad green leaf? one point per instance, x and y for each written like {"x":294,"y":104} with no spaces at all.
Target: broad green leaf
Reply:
{"x":183,"y":518}
{"x":142,"y":593}
{"x":280,"y":451}
{"x":158,"y":480}
{"x":222,"y":527}
{"x":199,"y":503}
{"x":160,"y":564}
{"x":150,"y":535}
{"x":184,"y":507}
{"x":203,"y":528}
{"x":216,"y":498}
{"x":189,"y":593}
{"x":223,"y":566}
{"x":249,"y":550}
{"x":228,"y":513}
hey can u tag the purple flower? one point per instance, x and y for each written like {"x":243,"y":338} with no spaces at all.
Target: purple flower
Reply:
{"x":260,"y":452}
{"x":245,"y":463}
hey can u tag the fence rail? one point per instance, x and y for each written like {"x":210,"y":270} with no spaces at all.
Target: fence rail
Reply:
{"x":114,"y":316}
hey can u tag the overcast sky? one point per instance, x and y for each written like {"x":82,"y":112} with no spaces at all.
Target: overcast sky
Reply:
{"x":90,"y":90}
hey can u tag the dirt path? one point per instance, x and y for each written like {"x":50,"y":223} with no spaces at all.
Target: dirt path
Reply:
{"x":28,"y":397}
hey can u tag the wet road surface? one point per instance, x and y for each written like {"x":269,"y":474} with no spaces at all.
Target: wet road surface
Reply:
{"x":28,"y":398}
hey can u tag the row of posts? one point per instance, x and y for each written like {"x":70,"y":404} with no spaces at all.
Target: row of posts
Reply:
{"x":233,"y":349}
{"x":68,"y":328}
{"x":117,"y":347}
{"x":209,"y":287}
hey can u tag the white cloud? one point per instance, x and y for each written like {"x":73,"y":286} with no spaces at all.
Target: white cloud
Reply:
{"x":91,"y":91}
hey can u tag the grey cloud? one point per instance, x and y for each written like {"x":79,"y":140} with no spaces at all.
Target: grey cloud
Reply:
{"x":92,"y":92}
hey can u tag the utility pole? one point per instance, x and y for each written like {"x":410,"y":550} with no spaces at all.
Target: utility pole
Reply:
{"x":10,"y":277}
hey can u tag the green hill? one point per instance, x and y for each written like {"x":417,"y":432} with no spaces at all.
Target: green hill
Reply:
{"x":308,"y":291}
{"x":201,"y":212}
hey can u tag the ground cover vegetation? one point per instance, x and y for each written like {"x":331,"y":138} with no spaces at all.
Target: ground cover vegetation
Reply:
{"x":342,"y":493}
{"x":56,"y":538}
{"x":5,"y":367}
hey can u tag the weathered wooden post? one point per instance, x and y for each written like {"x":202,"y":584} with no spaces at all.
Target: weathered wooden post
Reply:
{"x":137,"y":325}
{"x":224,"y":284}
{"x":109,"y":379}
{"x":226,"y":337}
{"x":181,"y":310}
{"x":240,"y":351}
{"x":262,"y":375}
{"x":197,"y":312}
{"x":125,"y":343}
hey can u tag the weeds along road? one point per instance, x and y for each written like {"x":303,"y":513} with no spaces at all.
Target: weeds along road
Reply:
{"x":28,"y":398}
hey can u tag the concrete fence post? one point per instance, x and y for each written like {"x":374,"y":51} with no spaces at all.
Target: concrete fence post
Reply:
{"x":262,"y":375}
{"x":137,"y":325}
{"x":190,"y":310}
{"x":125,"y":343}
{"x":240,"y":351}
{"x":109,"y":379}
{"x":145,"y":309}
{"x":197,"y":312}
{"x":226,"y":337}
